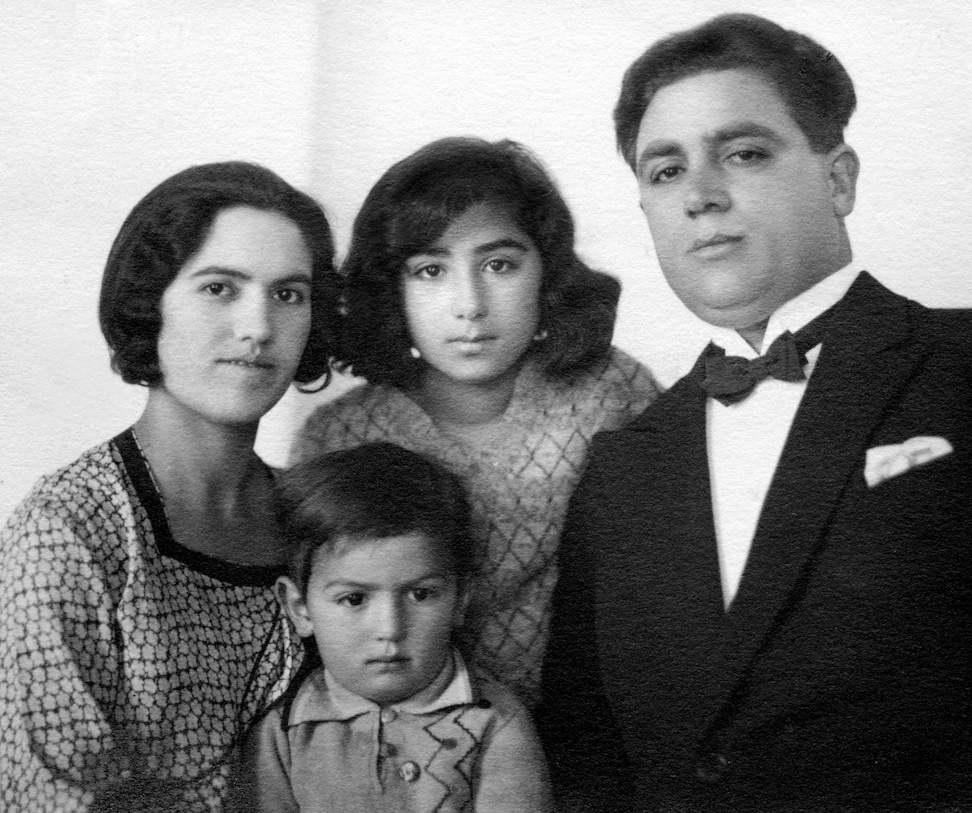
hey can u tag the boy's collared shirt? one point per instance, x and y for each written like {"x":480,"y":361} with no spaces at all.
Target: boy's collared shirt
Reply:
{"x":460,"y":744}
{"x":745,"y":439}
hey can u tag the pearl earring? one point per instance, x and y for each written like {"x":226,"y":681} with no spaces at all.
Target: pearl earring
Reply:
{"x":541,"y":335}
{"x":415,"y":353}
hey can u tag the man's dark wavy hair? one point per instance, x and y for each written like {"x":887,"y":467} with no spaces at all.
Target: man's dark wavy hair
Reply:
{"x":411,"y":206}
{"x":812,"y":83}
{"x":169,"y":225}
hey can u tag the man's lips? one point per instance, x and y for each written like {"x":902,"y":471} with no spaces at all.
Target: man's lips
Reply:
{"x":713,"y":242}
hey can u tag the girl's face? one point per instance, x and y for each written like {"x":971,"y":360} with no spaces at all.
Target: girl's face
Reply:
{"x":236,"y":317}
{"x":472,"y":298}
{"x":382,"y":612}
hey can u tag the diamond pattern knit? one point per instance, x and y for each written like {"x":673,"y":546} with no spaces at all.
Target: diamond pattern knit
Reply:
{"x":519,"y":489}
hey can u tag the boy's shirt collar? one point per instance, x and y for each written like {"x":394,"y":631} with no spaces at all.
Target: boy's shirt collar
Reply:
{"x":322,"y":699}
{"x":792,"y":315}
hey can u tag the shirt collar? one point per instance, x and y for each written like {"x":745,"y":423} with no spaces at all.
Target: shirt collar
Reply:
{"x":322,"y":699}
{"x":794,"y":314}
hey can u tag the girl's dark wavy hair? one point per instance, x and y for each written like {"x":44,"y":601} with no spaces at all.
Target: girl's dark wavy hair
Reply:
{"x":411,"y":206}
{"x":373,"y":491}
{"x":169,"y":225}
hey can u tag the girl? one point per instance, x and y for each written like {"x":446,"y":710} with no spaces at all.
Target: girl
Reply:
{"x":394,"y":722}
{"x":140,"y":633}
{"x":486,"y":344}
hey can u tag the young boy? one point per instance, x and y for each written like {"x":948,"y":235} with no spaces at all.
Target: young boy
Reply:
{"x":385,"y":714}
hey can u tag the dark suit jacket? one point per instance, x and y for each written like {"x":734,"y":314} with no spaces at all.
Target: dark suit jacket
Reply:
{"x":841,"y":676}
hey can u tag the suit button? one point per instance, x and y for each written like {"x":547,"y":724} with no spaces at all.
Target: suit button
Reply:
{"x":711,"y":767}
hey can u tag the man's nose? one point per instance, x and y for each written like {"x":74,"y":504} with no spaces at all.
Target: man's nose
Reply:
{"x":705,"y":191}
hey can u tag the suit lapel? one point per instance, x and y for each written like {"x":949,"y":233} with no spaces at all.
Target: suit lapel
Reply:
{"x":865,"y":360}
{"x":663,"y":582}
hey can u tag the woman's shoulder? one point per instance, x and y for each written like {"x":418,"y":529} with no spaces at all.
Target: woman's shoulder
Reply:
{"x":83,"y":507}
{"x":83,"y":486}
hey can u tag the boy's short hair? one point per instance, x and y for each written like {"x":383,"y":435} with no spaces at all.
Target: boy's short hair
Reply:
{"x":410,"y":207}
{"x":169,"y":225}
{"x":374,"y":491}
{"x":812,"y":83}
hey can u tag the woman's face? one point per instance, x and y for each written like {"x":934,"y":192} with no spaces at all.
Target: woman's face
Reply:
{"x":236,"y":317}
{"x":472,"y":298}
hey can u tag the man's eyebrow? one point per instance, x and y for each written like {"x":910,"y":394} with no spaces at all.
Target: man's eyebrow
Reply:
{"x":744,"y":129}
{"x":659,"y":148}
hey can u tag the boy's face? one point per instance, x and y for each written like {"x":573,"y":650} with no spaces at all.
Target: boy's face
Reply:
{"x":744,"y":215}
{"x":382,"y":612}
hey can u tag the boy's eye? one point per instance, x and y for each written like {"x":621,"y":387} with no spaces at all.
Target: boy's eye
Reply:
{"x":352,"y":599}
{"x":422,"y":593}
{"x":665,"y":174}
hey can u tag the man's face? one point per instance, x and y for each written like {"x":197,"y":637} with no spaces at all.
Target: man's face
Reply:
{"x":743,"y":214}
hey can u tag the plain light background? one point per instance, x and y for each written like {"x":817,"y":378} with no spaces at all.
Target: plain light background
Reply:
{"x":102,"y":99}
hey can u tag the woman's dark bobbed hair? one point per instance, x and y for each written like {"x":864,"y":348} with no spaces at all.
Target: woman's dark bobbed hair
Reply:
{"x":411,"y":206}
{"x":169,"y":225}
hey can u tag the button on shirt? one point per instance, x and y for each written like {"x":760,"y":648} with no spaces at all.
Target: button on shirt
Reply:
{"x":745,"y":439}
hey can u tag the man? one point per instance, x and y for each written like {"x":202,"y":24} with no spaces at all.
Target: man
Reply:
{"x":765,"y":599}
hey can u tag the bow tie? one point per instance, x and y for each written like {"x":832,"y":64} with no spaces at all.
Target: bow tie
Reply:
{"x":731,"y":378}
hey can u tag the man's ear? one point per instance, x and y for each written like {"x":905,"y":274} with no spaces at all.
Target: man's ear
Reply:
{"x":294,"y":606}
{"x":844,"y":167}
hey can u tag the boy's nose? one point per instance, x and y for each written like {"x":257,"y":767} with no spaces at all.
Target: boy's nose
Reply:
{"x":389,"y":620}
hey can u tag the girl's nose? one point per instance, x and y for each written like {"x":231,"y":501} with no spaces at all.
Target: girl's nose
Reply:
{"x":469,"y":295}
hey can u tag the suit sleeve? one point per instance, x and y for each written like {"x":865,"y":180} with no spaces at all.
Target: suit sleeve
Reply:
{"x":587,"y":760}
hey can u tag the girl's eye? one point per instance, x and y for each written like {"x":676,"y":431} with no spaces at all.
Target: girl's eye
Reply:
{"x":352,"y":599}
{"x":290,"y":296}
{"x":425,"y":271}
{"x":500,"y":266}
{"x":422,"y":593}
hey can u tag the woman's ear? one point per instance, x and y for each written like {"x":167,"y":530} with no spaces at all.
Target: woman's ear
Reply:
{"x":293,"y":604}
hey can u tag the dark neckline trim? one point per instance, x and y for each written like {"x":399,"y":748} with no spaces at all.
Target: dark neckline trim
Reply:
{"x":138,"y":473}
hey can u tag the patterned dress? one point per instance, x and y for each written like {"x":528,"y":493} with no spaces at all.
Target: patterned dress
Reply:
{"x":129,"y":665}
{"x":519,"y":489}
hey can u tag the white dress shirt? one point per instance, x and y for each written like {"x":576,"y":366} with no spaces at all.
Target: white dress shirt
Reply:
{"x":745,"y":439}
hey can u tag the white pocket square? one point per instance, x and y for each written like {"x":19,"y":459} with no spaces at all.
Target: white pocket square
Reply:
{"x":884,"y":462}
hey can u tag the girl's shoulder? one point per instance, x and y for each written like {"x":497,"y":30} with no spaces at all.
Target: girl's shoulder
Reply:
{"x":366,"y":412}
{"x":618,"y":385}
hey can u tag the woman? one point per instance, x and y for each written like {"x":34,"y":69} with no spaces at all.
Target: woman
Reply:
{"x":486,"y":343}
{"x":140,"y":634}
